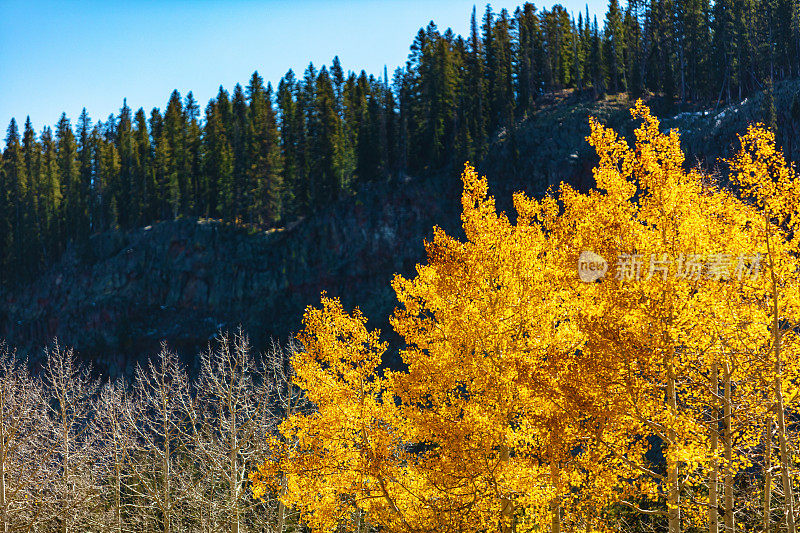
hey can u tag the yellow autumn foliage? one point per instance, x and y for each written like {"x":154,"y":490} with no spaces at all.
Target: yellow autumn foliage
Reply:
{"x":533,"y":401}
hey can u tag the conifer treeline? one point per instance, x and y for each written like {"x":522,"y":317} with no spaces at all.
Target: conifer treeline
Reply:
{"x":269,"y":157}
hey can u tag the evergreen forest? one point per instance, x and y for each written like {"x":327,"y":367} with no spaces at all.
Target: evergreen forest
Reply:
{"x":268,"y":156}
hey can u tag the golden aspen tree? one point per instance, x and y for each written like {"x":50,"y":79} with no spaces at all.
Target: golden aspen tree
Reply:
{"x":345,"y":454}
{"x":632,"y":321}
{"x":668,"y":326}
{"x":489,"y":355}
{"x":532,"y":400}
{"x":764,"y":177}
{"x":482,"y":406}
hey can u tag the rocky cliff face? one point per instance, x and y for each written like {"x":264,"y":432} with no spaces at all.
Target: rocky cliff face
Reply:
{"x":116,"y":299}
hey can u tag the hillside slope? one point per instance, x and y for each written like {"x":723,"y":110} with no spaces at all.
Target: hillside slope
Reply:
{"x":117,"y":298}
{"x":183,"y":280}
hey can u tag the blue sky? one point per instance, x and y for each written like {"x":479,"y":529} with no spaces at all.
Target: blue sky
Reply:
{"x":63,"y":56}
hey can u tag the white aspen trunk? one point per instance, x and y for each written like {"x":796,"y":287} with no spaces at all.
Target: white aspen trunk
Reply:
{"x":767,"y":473}
{"x":673,"y":488}
{"x":281,"y":507}
{"x":118,"y":495}
{"x":234,"y":516}
{"x":729,"y":519}
{"x":65,"y":510}
{"x":3,"y":504}
{"x":506,"y":505}
{"x":167,"y":504}
{"x":3,"y":457}
{"x":555,"y":504}
{"x":713,"y":511}
{"x":788,"y":508}
{"x":788,"y":505}
{"x":281,"y":517}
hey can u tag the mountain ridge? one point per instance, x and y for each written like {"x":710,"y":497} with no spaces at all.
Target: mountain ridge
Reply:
{"x":117,"y":297}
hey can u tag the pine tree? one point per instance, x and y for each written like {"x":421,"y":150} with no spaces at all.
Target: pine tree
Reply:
{"x":264,"y":172}
{"x":11,"y":212}
{"x":273,"y":191}
{"x":442,"y":91}
{"x":372,"y":139}
{"x":489,"y":66}
{"x":734,"y":52}
{"x":614,"y":47}
{"x":559,"y":49}
{"x":238,"y":136}
{"x":51,"y":194}
{"x":289,"y":130}
{"x":143,"y":186}
{"x":351,"y":115}
{"x":586,"y":45}
{"x":421,"y":135}
{"x":107,"y":177}
{"x":324,"y":171}
{"x":462,"y":143}
{"x":222,"y":175}
{"x":193,"y":161}
{"x":66,"y":157}
{"x":97,"y":212}
{"x":633,"y":49}
{"x":353,"y":106}
{"x":432,"y":81}
{"x":306,"y":120}
{"x":501,"y":93}
{"x":579,"y":53}
{"x":174,"y":139}
{"x":33,"y":232}
{"x":18,"y":182}
{"x":124,"y":186}
{"x":86,"y":167}
{"x":217,"y":161}
{"x":162,"y":156}
{"x":402,"y":86}
{"x":794,"y":44}
{"x":345,"y":149}
{"x":475,"y":91}
{"x":596,"y":62}
{"x":693,"y":47}
{"x":392,"y":127}
{"x":337,"y":80}
{"x":664,"y":19}
{"x":364,"y":142}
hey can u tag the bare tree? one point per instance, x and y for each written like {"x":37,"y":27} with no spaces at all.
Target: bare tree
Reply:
{"x":113,"y":442}
{"x":163,"y":481}
{"x":287,"y":399}
{"x":231,"y":415}
{"x":23,"y":450}
{"x":69,"y":389}
{"x":78,"y":457}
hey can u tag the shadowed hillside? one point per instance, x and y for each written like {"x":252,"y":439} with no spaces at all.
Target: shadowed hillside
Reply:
{"x":117,"y":297}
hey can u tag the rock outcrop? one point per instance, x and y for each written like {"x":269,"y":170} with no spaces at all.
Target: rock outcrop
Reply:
{"x":117,"y":298}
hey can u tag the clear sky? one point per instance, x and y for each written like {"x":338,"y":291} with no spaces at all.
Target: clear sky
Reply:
{"x":65,"y":55}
